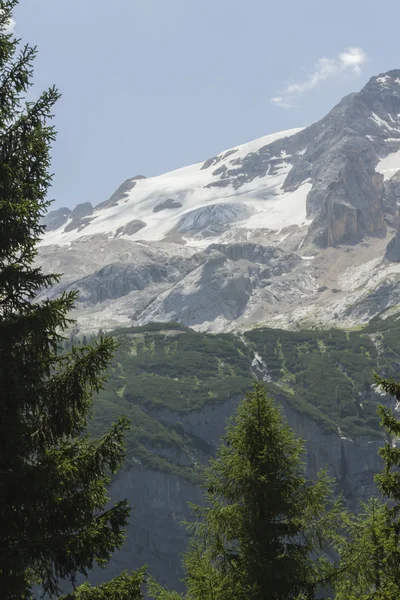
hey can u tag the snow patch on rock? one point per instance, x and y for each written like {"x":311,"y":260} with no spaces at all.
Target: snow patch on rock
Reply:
{"x":389,"y":165}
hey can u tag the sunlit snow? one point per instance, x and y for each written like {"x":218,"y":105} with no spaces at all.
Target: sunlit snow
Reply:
{"x":389,"y":165}
{"x":269,"y":206}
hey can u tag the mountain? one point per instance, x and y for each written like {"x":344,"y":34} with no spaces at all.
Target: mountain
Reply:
{"x":295,"y":228}
{"x":278,"y":259}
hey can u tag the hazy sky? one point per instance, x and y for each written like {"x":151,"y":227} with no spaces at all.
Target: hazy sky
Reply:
{"x":152,"y":85}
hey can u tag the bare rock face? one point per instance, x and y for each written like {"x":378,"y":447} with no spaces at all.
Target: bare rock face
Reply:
{"x":338,"y":155}
{"x":209,"y":220}
{"x":223,"y":285}
{"x":391,"y":200}
{"x":391,"y":204}
{"x":352,"y":206}
{"x":82,"y":210}
{"x":168,"y":204}
{"x":56,"y":218}
{"x":393,"y":249}
{"x":79,"y":217}
{"x":130,"y":228}
{"x":121,"y":192}
{"x":348,"y":196}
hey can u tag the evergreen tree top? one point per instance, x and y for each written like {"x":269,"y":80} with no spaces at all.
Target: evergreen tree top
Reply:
{"x":263,"y":527}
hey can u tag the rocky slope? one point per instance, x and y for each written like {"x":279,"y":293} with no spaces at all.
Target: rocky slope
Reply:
{"x":296,"y":227}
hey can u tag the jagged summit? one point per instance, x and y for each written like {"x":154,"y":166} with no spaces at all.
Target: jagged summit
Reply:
{"x":388,"y":80}
{"x":328,"y":192}
{"x":164,"y":202}
{"x":322,"y":178}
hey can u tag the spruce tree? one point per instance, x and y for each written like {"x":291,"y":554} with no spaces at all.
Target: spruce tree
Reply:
{"x":365,"y":546}
{"x":53,"y":477}
{"x":262,"y":530}
{"x":369,"y":548}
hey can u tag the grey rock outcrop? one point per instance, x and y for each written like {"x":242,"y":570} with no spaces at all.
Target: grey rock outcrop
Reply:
{"x":79,"y":217}
{"x":139,"y":283}
{"x":391,"y":200}
{"x":393,"y":249}
{"x":338,"y":156}
{"x":56,"y":218}
{"x":347,"y":196}
{"x":120,"y":193}
{"x":384,"y":296}
{"x":82,"y":210}
{"x":119,"y":279}
{"x":130,"y":228}
{"x":278,"y":260}
{"x":168,"y":204}
{"x":212,"y":219}
{"x":116,"y":280}
{"x":224,"y":284}
{"x":216,"y":159}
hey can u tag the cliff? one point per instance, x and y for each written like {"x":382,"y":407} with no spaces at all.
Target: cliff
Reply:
{"x":159,"y":500}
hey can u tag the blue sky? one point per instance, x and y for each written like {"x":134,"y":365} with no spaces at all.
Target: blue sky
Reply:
{"x":152,"y":85}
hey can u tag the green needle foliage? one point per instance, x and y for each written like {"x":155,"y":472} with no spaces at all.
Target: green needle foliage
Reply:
{"x":365,"y":546}
{"x":370,"y":547}
{"x":261,"y":533}
{"x":53,"y":477}
{"x":124,"y":587}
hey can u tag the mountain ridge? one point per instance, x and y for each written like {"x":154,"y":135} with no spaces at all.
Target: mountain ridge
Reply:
{"x":328,"y":192}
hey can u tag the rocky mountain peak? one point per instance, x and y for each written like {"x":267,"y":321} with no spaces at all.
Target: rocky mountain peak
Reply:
{"x":385,"y":86}
{"x":295,"y":225}
{"x":55,"y":219}
{"x":122,"y":192}
{"x":343,"y":154}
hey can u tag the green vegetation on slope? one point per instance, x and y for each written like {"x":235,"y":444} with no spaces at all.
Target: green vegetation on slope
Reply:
{"x":326,"y":370}
{"x":167,"y":367}
{"x":162,"y":372}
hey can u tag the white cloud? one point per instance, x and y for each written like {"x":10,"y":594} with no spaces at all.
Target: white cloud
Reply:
{"x":280,"y":101}
{"x":353,"y":58}
{"x":11,"y":26}
{"x":350,"y":60}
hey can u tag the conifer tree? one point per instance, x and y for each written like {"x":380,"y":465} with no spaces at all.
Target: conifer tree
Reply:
{"x":365,"y":546}
{"x":261,"y":532}
{"x":53,"y":477}
{"x":370,"y":547}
